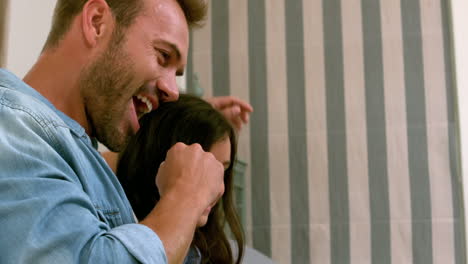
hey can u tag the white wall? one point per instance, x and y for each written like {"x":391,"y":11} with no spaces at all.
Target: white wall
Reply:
{"x":28,"y":25}
{"x":460,"y":36}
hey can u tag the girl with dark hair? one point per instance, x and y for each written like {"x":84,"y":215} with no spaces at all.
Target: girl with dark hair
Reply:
{"x":189,"y":120}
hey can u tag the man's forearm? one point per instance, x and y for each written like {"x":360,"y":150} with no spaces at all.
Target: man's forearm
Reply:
{"x":174,"y":221}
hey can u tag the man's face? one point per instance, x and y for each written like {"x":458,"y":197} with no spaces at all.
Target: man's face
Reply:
{"x":136,"y":72}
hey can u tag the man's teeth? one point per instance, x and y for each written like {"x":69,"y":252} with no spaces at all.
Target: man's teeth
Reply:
{"x":149,"y":105}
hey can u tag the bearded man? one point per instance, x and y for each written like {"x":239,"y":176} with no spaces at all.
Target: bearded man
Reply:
{"x":104,"y":65}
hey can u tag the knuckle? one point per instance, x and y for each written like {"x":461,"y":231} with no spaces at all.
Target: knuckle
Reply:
{"x":179,"y":145}
{"x":209,"y":155}
{"x":197,"y":147}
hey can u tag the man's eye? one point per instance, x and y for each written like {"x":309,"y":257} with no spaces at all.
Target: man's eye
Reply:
{"x":165,"y":55}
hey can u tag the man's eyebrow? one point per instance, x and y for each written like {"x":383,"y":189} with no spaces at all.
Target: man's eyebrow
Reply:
{"x":176,"y":49}
{"x":171,"y":45}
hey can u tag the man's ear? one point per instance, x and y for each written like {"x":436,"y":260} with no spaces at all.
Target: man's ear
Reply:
{"x":96,"y":21}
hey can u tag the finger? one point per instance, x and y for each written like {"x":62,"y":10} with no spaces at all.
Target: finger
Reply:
{"x":177,"y":147}
{"x":244,"y":106}
{"x":237,"y":123}
{"x":162,"y":165}
{"x":245,"y":117}
{"x":158,"y":179}
{"x":223,"y":102}
{"x":233,"y":115}
{"x":235,"y":110}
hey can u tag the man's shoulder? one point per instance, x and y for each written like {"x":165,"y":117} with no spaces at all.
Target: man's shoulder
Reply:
{"x":29,"y":106}
{"x":26,"y":108}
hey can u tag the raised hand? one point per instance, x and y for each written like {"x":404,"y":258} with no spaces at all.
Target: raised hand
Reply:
{"x":234,"y":109}
{"x":188,"y":171}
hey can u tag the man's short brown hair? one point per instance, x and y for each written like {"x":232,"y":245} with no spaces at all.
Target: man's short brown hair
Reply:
{"x":124,"y":11}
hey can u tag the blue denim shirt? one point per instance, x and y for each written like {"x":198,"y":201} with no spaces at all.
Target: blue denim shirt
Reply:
{"x":59,"y":200}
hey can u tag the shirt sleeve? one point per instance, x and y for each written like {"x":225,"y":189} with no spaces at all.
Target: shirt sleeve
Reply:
{"x":46,"y":216}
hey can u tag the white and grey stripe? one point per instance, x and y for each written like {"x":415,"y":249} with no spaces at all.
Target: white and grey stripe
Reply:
{"x":376,"y":132}
{"x":396,"y":139}
{"x":437,"y":133}
{"x":281,"y":221}
{"x":317,"y":147}
{"x":454,"y":158}
{"x":336,"y":130}
{"x":220,"y":47}
{"x":352,"y":147}
{"x":260,"y":180}
{"x":239,"y":78}
{"x":356,"y":135}
{"x":417,"y":132}
{"x":297,"y":132}
{"x":202,"y":53}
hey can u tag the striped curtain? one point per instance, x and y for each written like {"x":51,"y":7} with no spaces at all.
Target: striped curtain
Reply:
{"x":3,"y":21}
{"x":352,"y":148}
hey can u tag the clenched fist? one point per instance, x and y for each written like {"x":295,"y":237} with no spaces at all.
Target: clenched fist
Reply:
{"x":189,"y":171}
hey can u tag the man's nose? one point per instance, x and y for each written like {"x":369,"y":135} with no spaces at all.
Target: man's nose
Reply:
{"x":168,"y":89}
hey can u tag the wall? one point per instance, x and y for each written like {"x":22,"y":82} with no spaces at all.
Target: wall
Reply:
{"x":352,"y":148}
{"x":28,"y":26}
{"x":3,"y":24}
{"x":460,"y":43}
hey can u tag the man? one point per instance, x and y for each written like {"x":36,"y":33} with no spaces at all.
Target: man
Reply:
{"x":104,"y":65}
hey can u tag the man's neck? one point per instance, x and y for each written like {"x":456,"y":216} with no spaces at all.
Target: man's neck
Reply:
{"x":56,"y":76}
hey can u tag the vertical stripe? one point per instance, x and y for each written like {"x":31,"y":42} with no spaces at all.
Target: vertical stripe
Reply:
{"x":437,"y":137}
{"x":220,"y":46}
{"x":281,"y":223}
{"x":336,"y":129}
{"x":297,"y":132}
{"x":459,"y":38}
{"x":201,"y":55}
{"x":3,"y":33}
{"x":417,"y":134}
{"x":181,"y":82}
{"x":239,"y":83}
{"x":189,"y":69}
{"x":396,"y":137}
{"x":258,"y":129}
{"x":319,"y":206}
{"x":356,"y":136}
{"x":455,"y":173}
{"x":376,"y":133}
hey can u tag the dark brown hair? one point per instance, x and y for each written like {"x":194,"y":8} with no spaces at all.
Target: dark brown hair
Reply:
{"x":189,"y":120}
{"x":124,"y":11}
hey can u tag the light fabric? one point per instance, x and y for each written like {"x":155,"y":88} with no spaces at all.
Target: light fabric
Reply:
{"x":59,"y":201}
